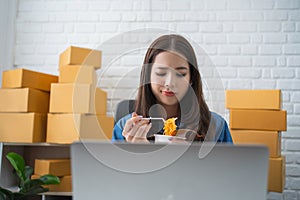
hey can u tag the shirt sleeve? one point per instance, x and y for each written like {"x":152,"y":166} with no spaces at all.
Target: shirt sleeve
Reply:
{"x":218,"y":129}
{"x":117,"y":133}
{"x":225,"y":136}
{"x":118,"y":129}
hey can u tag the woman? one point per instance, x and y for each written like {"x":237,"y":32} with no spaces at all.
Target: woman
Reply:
{"x":171,"y":86}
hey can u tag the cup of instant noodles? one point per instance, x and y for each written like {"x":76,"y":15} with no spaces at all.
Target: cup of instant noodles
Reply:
{"x":163,"y":138}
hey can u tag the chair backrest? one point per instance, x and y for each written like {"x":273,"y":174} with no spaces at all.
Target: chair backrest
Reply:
{"x":124,"y":107}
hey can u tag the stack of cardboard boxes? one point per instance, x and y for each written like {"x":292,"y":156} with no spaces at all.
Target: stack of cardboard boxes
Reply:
{"x":24,"y":104}
{"x":56,"y":167}
{"x":256,"y":118}
{"x":77,"y":106}
{"x":76,"y":109}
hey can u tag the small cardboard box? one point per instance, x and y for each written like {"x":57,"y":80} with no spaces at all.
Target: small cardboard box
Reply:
{"x":253,"y":99}
{"x":77,"y":74}
{"x":23,"y":78}
{"x":272,"y":139}
{"x":77,"y":98}
{"x":276,"y":177}
{"x":67,"y":128}
{"x":24,"y":100}
{"x":23,"y":127}
{"x":56,"y":167}
{"x":64,"y":186}
{"x":258,"y":119}
{"x":80,"y":56}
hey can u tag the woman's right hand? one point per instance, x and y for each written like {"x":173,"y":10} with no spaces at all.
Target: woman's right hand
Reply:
{"x":136,"y":129}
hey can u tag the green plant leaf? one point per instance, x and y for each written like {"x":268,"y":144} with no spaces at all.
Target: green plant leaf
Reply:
{"x":36,"y":190}
{"x":18,"y":164}
{"x":4,"y":197}
{"x":28,"y":172}
{"x":50,"y":179}
{"x":5,"y":194}
{"x":17,"y":196}
{"x":30,"y":185}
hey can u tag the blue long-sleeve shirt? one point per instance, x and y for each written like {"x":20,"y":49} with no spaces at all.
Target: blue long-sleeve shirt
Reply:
{"x":218,"y":129}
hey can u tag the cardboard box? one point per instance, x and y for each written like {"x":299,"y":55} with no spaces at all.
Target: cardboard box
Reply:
{"x":56,"y":167}
{"x":258,"y":119}
{"x":77,"y":74}
{"x":276,"y":177}
{"x":67,"y":128}
{"x":253,"y":99}
{"x":64,"y":186}
{"x":23,"y":127}
{"x":271,"y":139}
{"x":24,"y":100}
{"x":80,"y":56}
{"x":77,"y":98}
{"x":23,"y":78}
{"x":99,"y":101}
{"x":106,"y":124}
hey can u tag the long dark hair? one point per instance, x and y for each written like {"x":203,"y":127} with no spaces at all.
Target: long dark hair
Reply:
{"x":195,"y":114}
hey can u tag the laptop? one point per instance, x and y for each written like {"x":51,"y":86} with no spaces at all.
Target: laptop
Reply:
{"x":126,"y":171}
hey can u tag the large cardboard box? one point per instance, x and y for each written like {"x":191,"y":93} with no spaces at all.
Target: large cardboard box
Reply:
{"x":56,"y":167}
{"x":64,"y":186}
{"x":106,"y":124}
{"x":77,"y":98}
{"x":272,"y":139}
{"x":253,"y":99}
{"x":23,"y":127}
{"x":67,"y":128}
{"x":77,"y":74}
{"x":258,"y":119}
{"x":276,"y":178}
{"x":80,"y":56}
{"x":23,"y":78}
{"x":24,"y":100}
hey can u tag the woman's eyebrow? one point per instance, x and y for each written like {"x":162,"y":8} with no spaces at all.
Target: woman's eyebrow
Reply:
{"x":177,"y":68}
{"x":181,"y":68}
{"x":162,"y":67}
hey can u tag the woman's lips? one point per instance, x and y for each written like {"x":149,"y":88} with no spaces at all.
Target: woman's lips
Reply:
{"x":168,"y":93}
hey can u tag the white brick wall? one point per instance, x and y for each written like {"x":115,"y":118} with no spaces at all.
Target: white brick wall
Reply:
{"x":255,"y":44}
{"x":8,"y":10}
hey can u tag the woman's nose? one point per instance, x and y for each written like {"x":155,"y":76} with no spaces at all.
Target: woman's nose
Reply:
{"x":169,"y":81}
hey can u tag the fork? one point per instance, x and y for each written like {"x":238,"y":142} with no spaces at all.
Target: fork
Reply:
{"x":155,"y":118}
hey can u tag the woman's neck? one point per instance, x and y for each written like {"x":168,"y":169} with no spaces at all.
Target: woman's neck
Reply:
{"x":172,"y":111}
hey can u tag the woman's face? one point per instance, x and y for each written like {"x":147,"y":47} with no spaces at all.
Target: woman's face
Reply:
{"x":170,"y":78}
